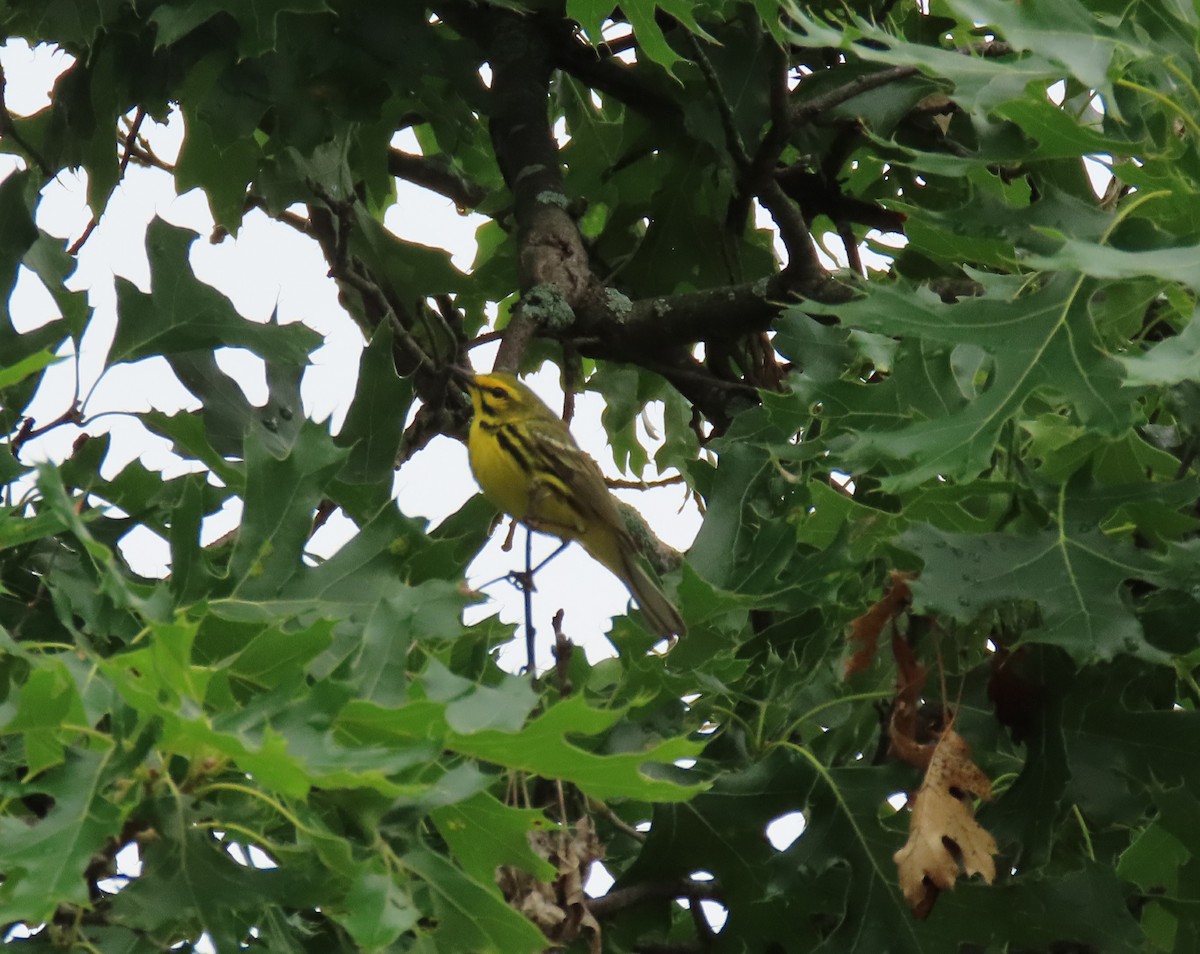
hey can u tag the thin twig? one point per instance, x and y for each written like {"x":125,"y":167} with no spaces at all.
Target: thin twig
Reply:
{"x":530,"y":632}
{"x":563,"y":650}
{"x":808,"y":110}
{"x":343,"y":269}
{"x":793,"y":231}
{"x":622,"y":898}
{"x":614,"y":483}
{"x":485,"y":338}
{"x":143,"y":155}
{"x":452,"y":318}
{"x":126,"y":153}
{"x":846,"y":233}
{"x":562,"y":817}
{"x":27,"y":432}
{"x":616,"y":820}
{"x":766,"y":156}
{"x":570,"y":372}
{"x":700,"y":920}
{"x":805,"y":112}
{"x":733,"y":139}
{"x":298,"y":222}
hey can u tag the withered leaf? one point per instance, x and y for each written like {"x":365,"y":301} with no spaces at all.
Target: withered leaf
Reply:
{"x":558,"y":908}
{"x":864,"y":630}
{"x":903,"y":730}
{"x":944,"y":838}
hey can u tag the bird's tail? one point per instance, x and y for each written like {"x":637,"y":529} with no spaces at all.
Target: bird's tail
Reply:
{"x":619,"y":554}
{"x":659,"y":611}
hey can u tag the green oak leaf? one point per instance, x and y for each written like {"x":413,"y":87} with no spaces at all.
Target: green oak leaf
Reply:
{"x":258,"y":20}
{"x":45,"y":859}
{"x":183,"y":314}
{"x":470,"y":916}
{"x":281,"y":496}
{"x":1074,"y":573}
{"x":484,"y":833}
{"x":1042,"y":342}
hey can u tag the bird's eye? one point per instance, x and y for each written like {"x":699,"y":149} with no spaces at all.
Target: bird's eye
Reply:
{"x":499,"y":393}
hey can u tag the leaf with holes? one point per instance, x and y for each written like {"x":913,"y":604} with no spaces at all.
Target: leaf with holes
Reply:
{"x":941,"y":818}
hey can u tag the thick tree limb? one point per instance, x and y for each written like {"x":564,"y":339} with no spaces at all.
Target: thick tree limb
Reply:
{"x":551,"y":256}
{"x":561,"y":296}
{"x":721,"y":313}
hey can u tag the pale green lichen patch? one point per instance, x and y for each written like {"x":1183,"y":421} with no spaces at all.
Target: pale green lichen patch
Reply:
{"x":550,"y":197}
{"x":618,"y":303}
{"x":547,"y":307}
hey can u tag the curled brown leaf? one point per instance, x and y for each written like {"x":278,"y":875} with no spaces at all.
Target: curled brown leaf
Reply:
{"x":863,"y":634}
{"x":944,"y":838}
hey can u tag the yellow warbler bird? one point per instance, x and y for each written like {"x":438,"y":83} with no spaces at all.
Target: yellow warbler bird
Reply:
{"x":528,"y":465}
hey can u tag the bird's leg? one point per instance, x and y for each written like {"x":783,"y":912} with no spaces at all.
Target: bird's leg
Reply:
{"x":562,"y":546}
{"x":523,"y":579}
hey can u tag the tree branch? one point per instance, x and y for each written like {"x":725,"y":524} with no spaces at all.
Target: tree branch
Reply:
{"x":561,"y":296}
{"x":818,"y":195}
{"x":766,"y":156}
{"x":436,"y":174}
{"x":551,"y":256}
{"x":27,"y":432}
{"x":444,"y":409}
{"x":807,"y":110}
{"x":725,"y":313}
{"x":596,"y":67}
{"x":733,"y":139}
{"x":623,"y":898}
{"x":127,"y":153}
{"x":793,"y":230}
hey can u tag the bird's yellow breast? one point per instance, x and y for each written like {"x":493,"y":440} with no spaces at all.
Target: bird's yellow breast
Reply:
{"x":499,"y":473}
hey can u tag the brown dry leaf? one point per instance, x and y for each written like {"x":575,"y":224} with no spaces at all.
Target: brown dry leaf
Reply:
{"x":559,"y":908}
{"x":944,"y":838}
{"x":864,"y":630}
{"x":903,"y":730}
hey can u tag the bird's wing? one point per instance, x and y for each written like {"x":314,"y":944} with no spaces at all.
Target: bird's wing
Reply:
{"x":573,"y":479}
